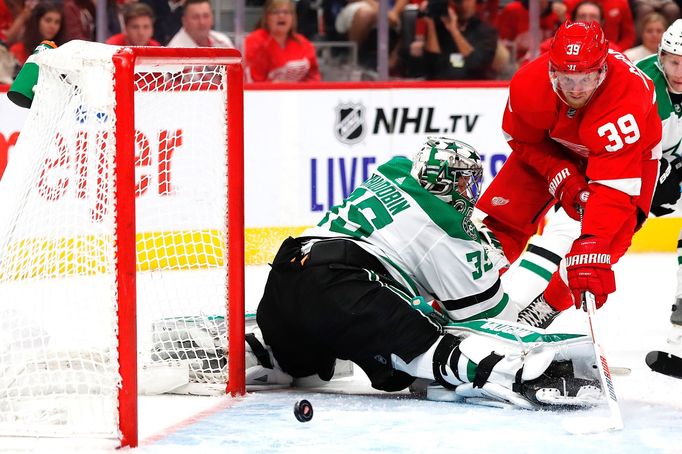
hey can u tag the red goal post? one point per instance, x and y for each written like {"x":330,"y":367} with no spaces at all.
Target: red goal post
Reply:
{"x":125,"y":61}
{"x":123,"y":250}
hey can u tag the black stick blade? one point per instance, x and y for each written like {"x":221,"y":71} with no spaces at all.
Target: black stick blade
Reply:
{"x":664,"y":363}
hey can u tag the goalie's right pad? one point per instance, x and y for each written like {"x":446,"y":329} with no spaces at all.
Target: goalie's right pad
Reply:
{"x":262,"y":370}
{"x":508,"y":363}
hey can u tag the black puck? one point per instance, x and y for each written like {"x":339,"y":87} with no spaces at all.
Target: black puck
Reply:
{"x":303,"y":410}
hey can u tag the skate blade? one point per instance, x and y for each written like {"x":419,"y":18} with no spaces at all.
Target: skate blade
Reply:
{"x":675,"y":335}
{"x":587,"y":397}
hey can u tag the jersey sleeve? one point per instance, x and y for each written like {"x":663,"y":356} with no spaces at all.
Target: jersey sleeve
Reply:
{"x":618,"y":142}
{"x":528,"y":138}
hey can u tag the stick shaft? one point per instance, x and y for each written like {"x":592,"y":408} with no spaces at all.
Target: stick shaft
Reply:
{"x":602,"y":365}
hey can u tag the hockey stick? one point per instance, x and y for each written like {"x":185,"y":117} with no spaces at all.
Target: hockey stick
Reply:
{"x":665,"y":363}
{"x":615,"y":420}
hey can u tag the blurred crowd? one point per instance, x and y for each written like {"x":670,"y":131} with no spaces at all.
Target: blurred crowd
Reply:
{"x":428,"y":39}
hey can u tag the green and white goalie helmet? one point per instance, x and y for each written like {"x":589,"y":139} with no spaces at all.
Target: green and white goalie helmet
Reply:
{"x":449,"y":169}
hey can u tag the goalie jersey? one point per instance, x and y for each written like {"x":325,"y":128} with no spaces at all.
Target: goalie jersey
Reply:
{"x":426,"y":244}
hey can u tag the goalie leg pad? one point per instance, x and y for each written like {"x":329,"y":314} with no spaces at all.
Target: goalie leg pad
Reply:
{"x":262,"y":370}
{"x":551,"y":370}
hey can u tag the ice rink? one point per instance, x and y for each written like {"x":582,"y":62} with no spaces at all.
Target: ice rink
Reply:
{"x":355,"y":419}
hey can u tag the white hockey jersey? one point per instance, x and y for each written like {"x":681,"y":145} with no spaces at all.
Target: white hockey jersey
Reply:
{"x":428,"y":246}
{"x":671,"y":114}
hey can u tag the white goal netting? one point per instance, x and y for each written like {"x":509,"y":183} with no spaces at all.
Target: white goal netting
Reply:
{"x":58,"y":250}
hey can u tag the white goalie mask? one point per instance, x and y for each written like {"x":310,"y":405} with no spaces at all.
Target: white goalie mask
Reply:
{"x":449,"y":169}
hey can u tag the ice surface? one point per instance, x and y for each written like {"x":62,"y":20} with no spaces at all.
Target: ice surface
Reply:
{"x":357,"y":419}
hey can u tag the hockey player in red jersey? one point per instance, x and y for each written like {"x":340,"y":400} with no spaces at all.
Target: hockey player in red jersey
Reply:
{"x":584,"y":131}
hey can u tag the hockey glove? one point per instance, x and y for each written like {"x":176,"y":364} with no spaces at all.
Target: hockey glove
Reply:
{"x":569,"y":187}
{"x":589,"y":269}
{"x":668,"y":186}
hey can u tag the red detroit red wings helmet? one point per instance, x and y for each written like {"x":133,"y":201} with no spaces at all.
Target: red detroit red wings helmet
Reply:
{"x":578,"y":47}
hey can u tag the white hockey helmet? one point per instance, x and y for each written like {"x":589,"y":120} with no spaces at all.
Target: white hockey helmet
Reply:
{"x":449,"y":169}
{"x":671,"y":41}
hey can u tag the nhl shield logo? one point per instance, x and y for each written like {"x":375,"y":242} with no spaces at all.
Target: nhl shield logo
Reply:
{"x":350,"y":123}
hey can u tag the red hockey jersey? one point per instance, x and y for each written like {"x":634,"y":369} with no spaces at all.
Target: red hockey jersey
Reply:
{"x":615,"y":138}
{"x":267,"y":61}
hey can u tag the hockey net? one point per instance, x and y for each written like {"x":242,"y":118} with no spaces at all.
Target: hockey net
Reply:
{"x":121,"y":238}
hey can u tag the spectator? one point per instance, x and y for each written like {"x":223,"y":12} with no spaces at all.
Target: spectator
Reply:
{"x":404,"y":19}
{"x":13,"y":17}
{"x":8,"y":66}
{"x":585,"y":11}
{"x":168,"y":21}
{"x":357,"y":19}
{"x":275,"y":52}
{"x":114,"y":16}
{"x":667,"y":8}
{"x":6,"y":20}
{"x":458,"y":45}
{"x":197,"y":24}
{"x":618,"y":24}
{"x":138,"y":27}
{"x":652,"y":27}
{"x":513,"y":24}
{"x":79,"y":20}
{"x":488,"y":10}
{"x":44,"y":23}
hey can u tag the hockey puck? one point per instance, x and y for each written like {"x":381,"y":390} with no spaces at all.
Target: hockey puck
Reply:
{"x":303,"y":410}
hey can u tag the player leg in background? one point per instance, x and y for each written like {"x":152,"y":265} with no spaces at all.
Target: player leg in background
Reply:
{"x":675,"y":336}
{"x":529,"y":276}
{"x":514,"y":204}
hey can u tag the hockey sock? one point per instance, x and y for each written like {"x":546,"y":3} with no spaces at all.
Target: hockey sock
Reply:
{"x":558,"y":294}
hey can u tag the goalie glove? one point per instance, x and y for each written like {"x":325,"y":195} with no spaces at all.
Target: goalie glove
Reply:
{"x":570,"y":188}
{"x":668,"y":186}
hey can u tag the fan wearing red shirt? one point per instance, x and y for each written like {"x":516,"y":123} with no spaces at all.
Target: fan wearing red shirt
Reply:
{"x":618,"y":25}
{"x":583,"y":127}
{"x":275,"y":52}
{"x":513,"y":23}
{"x":44,"y":23}
{"x":138,"y":20}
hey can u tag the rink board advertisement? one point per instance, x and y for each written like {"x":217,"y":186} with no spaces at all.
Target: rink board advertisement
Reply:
{"x":307,"y":149}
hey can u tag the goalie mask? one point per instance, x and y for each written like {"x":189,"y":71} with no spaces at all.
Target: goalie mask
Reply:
{"x":577,"y":62}
{"x":449,"y":169}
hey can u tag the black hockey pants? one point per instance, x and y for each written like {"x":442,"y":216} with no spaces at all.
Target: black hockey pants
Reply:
{"x":339,"y":302}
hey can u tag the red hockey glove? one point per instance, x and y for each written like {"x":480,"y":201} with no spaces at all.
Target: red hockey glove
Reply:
{"x":570,"y":188}
{"x":589,"y":269}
